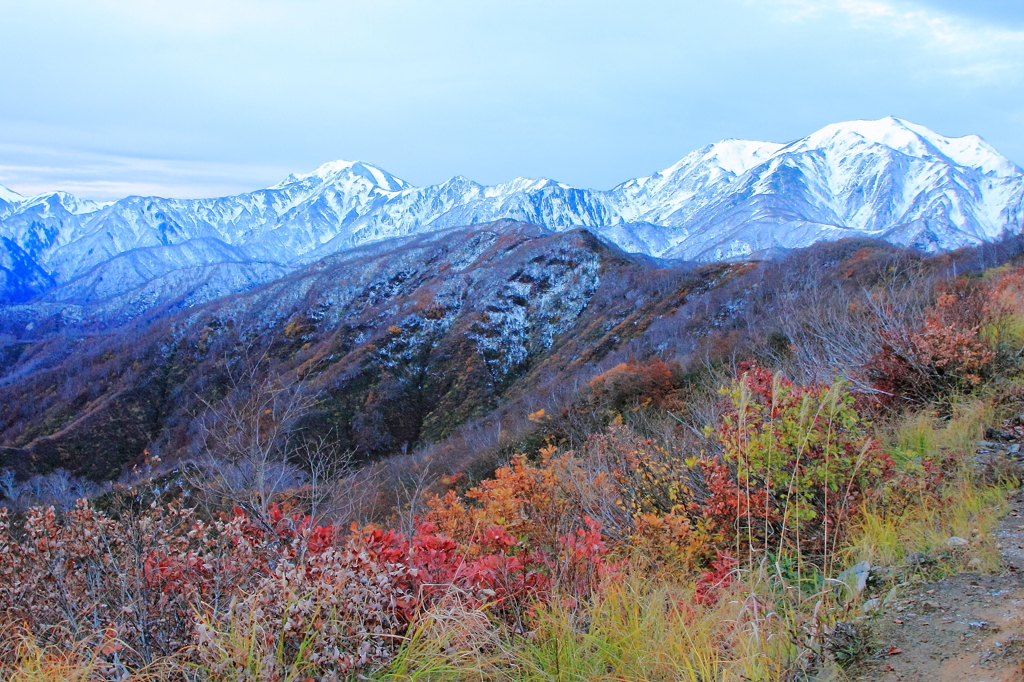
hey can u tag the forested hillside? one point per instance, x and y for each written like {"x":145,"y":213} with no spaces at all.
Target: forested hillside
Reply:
{"x":500,"y":452}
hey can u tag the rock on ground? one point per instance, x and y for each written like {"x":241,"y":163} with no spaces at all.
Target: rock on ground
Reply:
{"x":965,"y":628}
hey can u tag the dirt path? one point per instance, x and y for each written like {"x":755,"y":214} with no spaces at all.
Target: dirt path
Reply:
{"x":965,"y":628}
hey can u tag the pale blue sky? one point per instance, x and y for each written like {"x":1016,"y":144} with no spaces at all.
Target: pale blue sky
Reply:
{"x":206,"y":97}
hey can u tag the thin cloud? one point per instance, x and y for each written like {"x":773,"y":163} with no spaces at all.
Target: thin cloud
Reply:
{"x":946,"y":30}
{"x":962,"y":47}
{"x":31,"y":170}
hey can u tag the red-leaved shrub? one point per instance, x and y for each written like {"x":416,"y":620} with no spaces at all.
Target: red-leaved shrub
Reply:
{"x":944,"y":354}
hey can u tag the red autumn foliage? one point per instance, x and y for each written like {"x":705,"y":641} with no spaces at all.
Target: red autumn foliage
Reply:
{"x":796,"y":462}
{"x":714,"y":581}
{"x":943,"y":354}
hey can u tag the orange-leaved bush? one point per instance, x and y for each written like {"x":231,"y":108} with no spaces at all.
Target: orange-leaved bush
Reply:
{"x":527,"y":531}
{"x":634,"y":384}
{"x":943,"y":354}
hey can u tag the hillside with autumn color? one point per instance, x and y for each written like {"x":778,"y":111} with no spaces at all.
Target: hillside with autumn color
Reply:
{"x":502,"y":452}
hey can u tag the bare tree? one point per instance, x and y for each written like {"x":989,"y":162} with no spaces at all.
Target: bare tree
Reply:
{"x":58,"y":488}
{"x":253,"y":448}
{"x":411,"y":489}
{"x":327,"y":489}
{"x":10,"y":489}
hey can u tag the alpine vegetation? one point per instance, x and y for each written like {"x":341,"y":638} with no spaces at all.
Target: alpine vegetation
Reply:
{"x":726,"y":422}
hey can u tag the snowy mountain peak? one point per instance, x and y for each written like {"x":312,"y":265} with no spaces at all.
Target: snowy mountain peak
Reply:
{"x":523,"y":185}
{"x":910,"y":139}
{"x":55,"y":201}
{"x":728,"y":157}
{"x":733,"y":156}
{"x":9,"y":195}
{"x":330,"y":168}
{"x":887,"y":132}
{"x":739,"y":156}
{"x":342,"y":171}
{"x":970,"y":151}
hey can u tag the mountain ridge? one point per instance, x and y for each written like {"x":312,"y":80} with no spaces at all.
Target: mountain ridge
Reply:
{"x":887,"y":179}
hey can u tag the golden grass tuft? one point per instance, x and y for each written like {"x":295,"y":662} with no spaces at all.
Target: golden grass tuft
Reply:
{"x":85,"y":662}
{"x":638,"y":629}
{"x":966,"y":506}
{"x":966,"y":509}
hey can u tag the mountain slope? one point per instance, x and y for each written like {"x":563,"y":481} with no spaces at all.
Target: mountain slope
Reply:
{"x":402,"y":344}
{"x":887,"y":179}
{"x":21,"y":278}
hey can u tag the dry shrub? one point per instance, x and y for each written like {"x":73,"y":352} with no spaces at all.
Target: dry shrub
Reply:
{"x":85,"y":661}
{"x":274,"y":596}
{"x":321,"y":608}
{"x":144,"y":576}
{"x":73,"y":577}
{"x":1004,"y":329}
{"x":942,"y":355}
{"x":631,"y":384}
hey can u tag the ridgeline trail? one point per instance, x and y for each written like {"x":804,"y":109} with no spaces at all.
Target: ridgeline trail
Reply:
{"x":965,"y":628}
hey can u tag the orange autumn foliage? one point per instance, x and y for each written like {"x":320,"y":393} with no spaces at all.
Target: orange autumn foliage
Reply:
{"x":945,"y":353}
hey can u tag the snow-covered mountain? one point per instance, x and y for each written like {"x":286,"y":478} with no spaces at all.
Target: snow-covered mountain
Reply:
{"x":888,"y":179}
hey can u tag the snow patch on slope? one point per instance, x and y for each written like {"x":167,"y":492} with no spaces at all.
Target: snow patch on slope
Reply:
{"x":10,"y":196}
{"x":887,"y":179}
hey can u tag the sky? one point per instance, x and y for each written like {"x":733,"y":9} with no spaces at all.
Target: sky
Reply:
{"x":191,"y":98}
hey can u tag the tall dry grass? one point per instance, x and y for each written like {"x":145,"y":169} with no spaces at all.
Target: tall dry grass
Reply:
{"x":637,"y":629}
{"x":963,"y":504}
{"x":85,"y":661}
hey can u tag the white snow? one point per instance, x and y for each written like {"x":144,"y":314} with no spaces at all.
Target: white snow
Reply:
{"x":9,"y":195}
{"x":330,"y":168}
{"x":739,"y":156}
{"x":727,"y":199}
{"x":970,"y":151}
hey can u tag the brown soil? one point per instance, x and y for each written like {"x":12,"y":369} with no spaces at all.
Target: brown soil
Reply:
{"x":967,"y":627}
